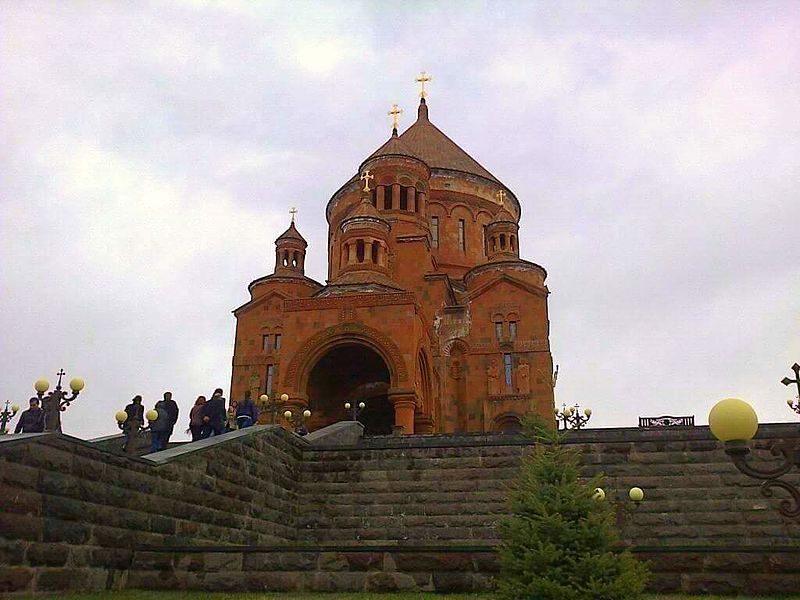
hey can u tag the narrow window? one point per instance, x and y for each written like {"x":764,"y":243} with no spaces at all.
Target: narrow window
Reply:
{"x":374,"y":253}
{"x":294,"y":259}
{"x":387,"y":196}
{"x":512,"y":329}
{"x":373,"y":197}
{"x":435,"y":232}
{"x":403,"y":198}
{"x":360,"y":251}
{"x":285,"y":258}
{"x":507,"y":368}
{"x":265,"y":342}
{"x":277,"y":341}
{"x":502,"y":241}
{"x":461,"y":241}
{"x":270,"y":377}
{"x":498,"y":330}
{"x":511,"y":242}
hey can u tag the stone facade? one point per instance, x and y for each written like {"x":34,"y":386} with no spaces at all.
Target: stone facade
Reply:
{"x":429,"y":314}
{"x":262,"y":509}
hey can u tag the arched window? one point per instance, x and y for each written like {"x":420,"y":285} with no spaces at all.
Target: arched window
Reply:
{"x":285,"y":260}
{"x":403,"y":198}
{"x":360,"y":251}
{"x":502,"y":241}
{"x":374,"y":252}
{"x":387,"y":197}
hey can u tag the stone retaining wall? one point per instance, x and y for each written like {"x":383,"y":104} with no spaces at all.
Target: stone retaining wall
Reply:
{"x":414,"y":512}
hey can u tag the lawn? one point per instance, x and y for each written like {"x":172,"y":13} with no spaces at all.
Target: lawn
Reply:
{"x":142,"y":595}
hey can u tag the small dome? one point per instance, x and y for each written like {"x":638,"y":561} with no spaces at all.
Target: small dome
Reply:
{"x":291,"y":234}
{"x":364,"y":211}
{"x":393,"y":147}
{"x":503,"y":216}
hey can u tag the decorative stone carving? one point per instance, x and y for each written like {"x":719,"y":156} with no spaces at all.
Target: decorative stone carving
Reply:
{"x":493,"y":377}
{"x":523,"y":378}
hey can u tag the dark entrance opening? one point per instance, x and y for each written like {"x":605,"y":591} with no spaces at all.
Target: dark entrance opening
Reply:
{"x":351,"y":373}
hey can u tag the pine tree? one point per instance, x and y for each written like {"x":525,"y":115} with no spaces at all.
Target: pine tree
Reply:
{"x":559,"y":541}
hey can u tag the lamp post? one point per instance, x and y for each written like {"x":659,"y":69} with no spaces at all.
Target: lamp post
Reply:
{"x":794,"y":404}
{"x":298,"y":420}
{"x":569,"y":417}
{"x":355,"y":409}
{"x":56,"y":401}
{"x":6,"y":415}
{"x":735,"y":423}
{"x":274,"y":407}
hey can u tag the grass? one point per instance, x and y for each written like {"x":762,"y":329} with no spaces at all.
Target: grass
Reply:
{"x":196,"y":595}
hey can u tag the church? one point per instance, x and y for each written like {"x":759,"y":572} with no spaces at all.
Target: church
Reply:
{"x":428,"y":315}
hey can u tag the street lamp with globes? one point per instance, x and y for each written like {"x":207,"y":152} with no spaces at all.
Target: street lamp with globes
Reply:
{"x":298,"y":420}
{"x":6,"y":415}
{"x":274,"y":407}
{"x":56,"y":401}
{"x":355,"y":409}
{"x":734,"y":422}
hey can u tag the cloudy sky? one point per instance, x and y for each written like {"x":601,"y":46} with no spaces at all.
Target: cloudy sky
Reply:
{"x":151,"y":150}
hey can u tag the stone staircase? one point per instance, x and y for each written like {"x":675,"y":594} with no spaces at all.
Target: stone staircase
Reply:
{"x":419,"y":494}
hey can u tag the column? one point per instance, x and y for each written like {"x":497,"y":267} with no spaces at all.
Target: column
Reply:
{"x":421,"y":203}
{"x":412,"y":199}
{"x":379,"y":197}
{"x":404,"y":407}
{"x":351,"y":257}
{"x":381,"y":254}
{"x":395,"y":195}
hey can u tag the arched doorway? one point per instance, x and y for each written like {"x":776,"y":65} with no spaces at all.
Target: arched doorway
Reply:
{"x":351,"y":373}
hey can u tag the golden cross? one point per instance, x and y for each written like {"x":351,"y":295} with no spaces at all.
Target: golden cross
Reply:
{"x":501,"y":196}
{"x":365,"y":178}
{"x":422,"y":79}
{"x":395,"y":113}
{"x":293,"y":212}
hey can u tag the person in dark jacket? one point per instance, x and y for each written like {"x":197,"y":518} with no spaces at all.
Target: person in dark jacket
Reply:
{"x":134,"y":422}
{"x":246,"y":412}
{"x":172,"y":412}
{"x":159,"y":428}
{"x":31,"y":420}
{"x":214,"y":414}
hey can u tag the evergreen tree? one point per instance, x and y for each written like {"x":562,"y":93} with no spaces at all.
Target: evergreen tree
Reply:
{"x":559,"y":542}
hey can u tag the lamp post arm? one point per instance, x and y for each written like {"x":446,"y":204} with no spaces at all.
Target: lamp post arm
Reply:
{"x":738,"y":452}
{"x":789,"y":507}
{"x":65,"y":401}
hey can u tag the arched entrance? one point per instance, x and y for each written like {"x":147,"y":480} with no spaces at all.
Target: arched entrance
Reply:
{"x":352,"y":373}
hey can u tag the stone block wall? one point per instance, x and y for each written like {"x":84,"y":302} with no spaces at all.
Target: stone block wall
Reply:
{"x":262,"y":509}
{"x":71,"y":514}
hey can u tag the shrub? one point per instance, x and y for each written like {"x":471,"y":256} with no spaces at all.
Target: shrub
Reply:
{"x":560,"y":543}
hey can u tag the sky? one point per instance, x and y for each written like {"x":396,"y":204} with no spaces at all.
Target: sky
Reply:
{"x":151,"y":151}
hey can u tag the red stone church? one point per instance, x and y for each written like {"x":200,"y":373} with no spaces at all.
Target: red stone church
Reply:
{"x":428,"y":315}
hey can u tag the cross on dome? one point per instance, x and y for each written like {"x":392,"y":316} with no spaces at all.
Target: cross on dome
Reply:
{"x":501,"y":196}
{"x":293,"y":212}
{"x":422,"y":79}
{"x":395,"y":113}
{"x":366,"y":177}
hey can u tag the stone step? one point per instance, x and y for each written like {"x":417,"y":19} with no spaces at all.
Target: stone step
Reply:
{"x":406,"y":508}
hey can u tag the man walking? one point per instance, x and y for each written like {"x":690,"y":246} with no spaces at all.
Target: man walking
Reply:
{"x":171,"y":407}
{"x":31,"y":420}
{"x":214,"y":414}
{"x":246,"y":412}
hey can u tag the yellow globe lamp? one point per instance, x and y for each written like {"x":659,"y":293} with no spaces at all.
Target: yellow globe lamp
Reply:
{"x":284,"y":397}
{"x":588,"y":412}
{"x":76,"y":384}
{"x":568,"y":411}
{"x":264,"y":398}
{"x":733,"y":420}
{"x":287,"y":414}
{"x":152,"y":415}
{"x":41,"y":385}
{"x":599,"y":494}
{"x":306,"y":413}
{"x":121,"y":416}
{"x":347,"y":406}
{"x":361,"y":405}
{"x":15,"y":408}
{"x":636,"y":494}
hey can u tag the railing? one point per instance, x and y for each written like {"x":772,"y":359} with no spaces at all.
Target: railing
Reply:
{"x":666,"y":421}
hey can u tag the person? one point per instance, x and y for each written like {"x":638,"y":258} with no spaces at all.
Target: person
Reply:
{"x":31,"y":420}
{"x":159,"y":428}
{"x":196,"y":419}
{"x":172,"y":412}
{"x":134,"y":422}
{"x":246,"y":412}
{"x":214,"y":414}
{"x":230,"y":418}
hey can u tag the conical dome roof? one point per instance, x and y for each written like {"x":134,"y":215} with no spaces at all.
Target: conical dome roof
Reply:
{"x":365,"y":211}
{"x":503,"y":216}
{"x":291,"y":234}
{"x":437,"y":150}
{"x":394,"y":146}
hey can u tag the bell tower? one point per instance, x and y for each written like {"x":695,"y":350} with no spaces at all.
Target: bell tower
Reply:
{"x":290,"y":251}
